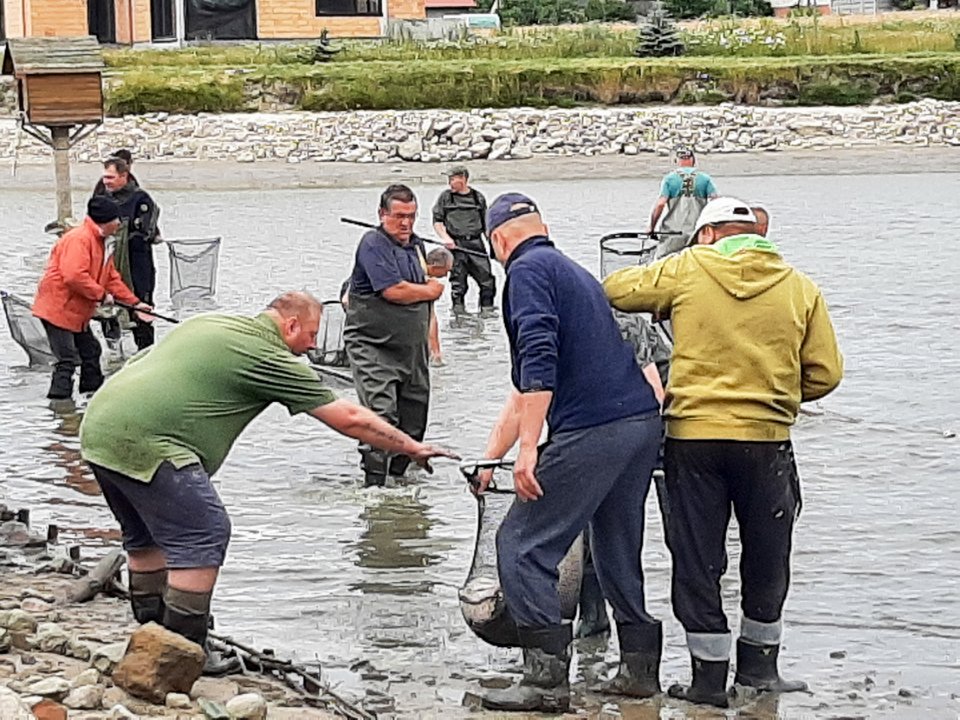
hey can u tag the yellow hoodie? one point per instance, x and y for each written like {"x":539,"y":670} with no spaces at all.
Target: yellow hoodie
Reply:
{"x":752,"y":338}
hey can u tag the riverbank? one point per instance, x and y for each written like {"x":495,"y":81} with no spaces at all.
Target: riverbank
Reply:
{"x":56,"y":658}
{"x":432,"y":136}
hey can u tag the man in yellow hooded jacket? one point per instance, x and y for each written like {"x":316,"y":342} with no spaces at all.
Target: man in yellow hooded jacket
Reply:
{"x":752,"y":340}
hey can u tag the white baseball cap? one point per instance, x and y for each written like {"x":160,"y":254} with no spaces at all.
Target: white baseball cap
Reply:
{"x":723,"y":210}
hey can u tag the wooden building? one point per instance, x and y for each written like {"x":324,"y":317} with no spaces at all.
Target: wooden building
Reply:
{"x":143,"y":21}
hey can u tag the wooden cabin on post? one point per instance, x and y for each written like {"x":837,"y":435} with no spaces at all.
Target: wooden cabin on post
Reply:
{"x":59,"y":95}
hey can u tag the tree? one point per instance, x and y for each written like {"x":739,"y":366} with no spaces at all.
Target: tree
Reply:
{"x":658,"y":35}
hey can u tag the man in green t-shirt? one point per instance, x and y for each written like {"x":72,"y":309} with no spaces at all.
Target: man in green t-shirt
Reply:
{"x":160,"y":427}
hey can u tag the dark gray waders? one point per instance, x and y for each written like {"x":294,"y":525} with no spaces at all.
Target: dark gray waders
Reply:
{"x":386,"y":344}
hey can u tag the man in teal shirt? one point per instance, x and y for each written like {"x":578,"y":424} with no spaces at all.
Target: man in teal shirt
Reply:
{"x":683,"y":195}
{"x":159,"y":428}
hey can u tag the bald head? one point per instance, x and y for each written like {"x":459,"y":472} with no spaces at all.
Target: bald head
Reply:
{"x":297,"y":315}
{"x":513,"y":232}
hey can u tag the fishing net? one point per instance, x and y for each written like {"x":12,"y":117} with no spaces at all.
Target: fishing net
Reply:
{"x":481,"y":599}
{"x":27,"y":331}
{"x":620,"y":250}
{"x":193,"y":269}
{"x":330,"y":350}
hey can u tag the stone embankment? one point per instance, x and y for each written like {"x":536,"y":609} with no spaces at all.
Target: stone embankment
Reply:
{"x":60,"y":660}
{"x":518,"y":133}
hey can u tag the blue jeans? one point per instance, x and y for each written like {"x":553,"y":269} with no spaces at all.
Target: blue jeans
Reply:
{"x":597,"y":477}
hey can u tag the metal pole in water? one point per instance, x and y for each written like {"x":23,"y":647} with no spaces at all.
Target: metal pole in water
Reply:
{"x":61,"y":165}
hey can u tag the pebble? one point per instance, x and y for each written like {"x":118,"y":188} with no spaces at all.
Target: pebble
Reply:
{"x":513,"y":133}
{"x":105,"y":658}
{"x":90,"y":676}
{"x":178,"y":701}
{"x":18,"y":622}
{"x":120,"y":712}
{"x":249,"y":706}
{"x":213,"y":710}
{"x":87,"y":697}
{"x":52,"y":638}
{"x":54,"y":687}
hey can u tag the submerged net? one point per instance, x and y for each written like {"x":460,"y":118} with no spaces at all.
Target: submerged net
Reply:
{"x":330,"y":351}
{"x":620,"y":250}
{"x":193,"y":269}
{"x":481,"y":599}
{"x":27,"y":331}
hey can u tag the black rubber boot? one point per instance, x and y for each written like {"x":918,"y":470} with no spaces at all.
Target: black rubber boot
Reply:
{"x":61,"y":384}
{"x":397,"y":467}
{"x":146,"y":595}
{"x":374,"y":466}
{"x":545,"y":686}
{"x":459,"y":308}
{"x":488,"y":312}
{"x":757,"y":668}
{"x":593,"y":618}
{"x":184,"y":614}
{"x":639,"y":672}
{"x":709,"y":685}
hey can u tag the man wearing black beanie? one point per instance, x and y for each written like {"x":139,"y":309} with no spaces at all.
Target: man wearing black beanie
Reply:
{"x":80,"y":274}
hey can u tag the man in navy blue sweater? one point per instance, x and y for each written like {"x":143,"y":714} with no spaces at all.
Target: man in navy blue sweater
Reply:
{"x":571,"y":369}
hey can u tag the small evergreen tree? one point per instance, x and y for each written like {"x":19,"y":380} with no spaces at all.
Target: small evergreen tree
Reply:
{"x":658,"y":35}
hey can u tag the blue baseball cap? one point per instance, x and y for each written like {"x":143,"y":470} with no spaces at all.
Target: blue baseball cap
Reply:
{"x":508,"y":207}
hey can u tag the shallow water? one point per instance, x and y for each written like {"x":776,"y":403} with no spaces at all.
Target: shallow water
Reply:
{"x":324,"y":569}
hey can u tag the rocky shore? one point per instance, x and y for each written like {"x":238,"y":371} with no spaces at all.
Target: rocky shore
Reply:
{"x":429,"y":136}
{"x":58,"y":659}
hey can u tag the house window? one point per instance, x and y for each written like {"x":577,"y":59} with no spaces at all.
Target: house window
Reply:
{"x":349,"y":7}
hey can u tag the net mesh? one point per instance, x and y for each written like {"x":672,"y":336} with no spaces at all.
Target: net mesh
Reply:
{"x":621,"y":250}
{"x":330,"y":350}
{"x":26,"y":330}
{"x":193,"y":269}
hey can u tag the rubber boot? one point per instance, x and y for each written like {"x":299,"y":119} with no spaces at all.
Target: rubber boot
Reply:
{"x":61,"y":383}
{"x":593,"y":618}
{"x":185,"y":615}
{"x":545,"y":685}
{"x":488,"y":312}
{"x":146,"y":595}
{"x":397,"y":467}
{"x":639,"y":672}
{"x":709,"y":685}
{"x":374,"y":466}
{"x":757,"y":668}
{"x":459,"y":308}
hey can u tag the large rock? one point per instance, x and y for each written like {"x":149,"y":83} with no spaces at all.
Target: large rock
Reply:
{"x":87,"y":697}
{"x":105,"y":658}
{"x":49,"y":710}
{"x":90,"y":676}
{"x":250,"y":706}
{"x":11,"y":707}
{"x":500,"y":149}
{"x":158,"y":662}
{"x":410,"y":149}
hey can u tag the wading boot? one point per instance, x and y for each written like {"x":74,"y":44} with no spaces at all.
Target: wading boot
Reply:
{"x":184,"y":615}
{"x":593,"y":618}
{"x":545,"y":685}
{"x":146,"y":595}
{"x":709,"y":685}
{"x":757,"y":668}
{"x":459,"y":309}
{"x":374,"y":466}
{"x":639,"y":672}
{"x":488,"y":312}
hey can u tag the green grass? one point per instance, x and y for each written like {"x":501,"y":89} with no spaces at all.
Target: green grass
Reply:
{"x":852,"y":79}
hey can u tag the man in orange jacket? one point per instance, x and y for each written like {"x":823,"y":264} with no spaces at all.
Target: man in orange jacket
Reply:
{"x":80,"y":274}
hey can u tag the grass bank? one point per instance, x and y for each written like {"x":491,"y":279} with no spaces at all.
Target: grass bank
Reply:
{"x":376,"y":85}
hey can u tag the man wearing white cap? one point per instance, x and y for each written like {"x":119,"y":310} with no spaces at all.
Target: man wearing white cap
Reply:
{"x":752,"y":340}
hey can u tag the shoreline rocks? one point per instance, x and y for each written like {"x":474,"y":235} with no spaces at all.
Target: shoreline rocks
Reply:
{"x":430,"y":136}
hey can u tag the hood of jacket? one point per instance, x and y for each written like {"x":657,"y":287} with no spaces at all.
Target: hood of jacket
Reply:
{"x":743,"y":265}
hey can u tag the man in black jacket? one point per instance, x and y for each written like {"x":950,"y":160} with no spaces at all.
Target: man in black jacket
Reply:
{"x":459,"y":220}
{"x":135,"y":239}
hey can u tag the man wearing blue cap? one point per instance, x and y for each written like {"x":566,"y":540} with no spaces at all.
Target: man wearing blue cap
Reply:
{"x":592,"y":472}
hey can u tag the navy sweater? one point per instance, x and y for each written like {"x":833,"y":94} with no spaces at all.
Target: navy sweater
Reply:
{"x":563,"y":338}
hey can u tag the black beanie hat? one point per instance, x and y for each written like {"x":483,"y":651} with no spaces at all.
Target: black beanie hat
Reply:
{"x":102,"y":209}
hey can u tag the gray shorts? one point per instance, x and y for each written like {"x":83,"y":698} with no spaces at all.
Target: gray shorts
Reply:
{"x":178,"y":511}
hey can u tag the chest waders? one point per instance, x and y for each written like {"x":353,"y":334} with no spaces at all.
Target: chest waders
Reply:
{"x":681,"y":217}
{"x":386,"y":345}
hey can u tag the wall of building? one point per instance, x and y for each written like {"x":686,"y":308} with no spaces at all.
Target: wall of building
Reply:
{"x":57,"y":18}
{"x":290,"y":19}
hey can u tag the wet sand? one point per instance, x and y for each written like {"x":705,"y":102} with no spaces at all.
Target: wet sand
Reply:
{"x":273,"y":175}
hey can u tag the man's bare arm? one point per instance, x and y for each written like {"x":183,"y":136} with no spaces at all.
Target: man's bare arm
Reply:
{"x":657,"y":212}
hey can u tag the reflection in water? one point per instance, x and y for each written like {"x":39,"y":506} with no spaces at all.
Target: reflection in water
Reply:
{"x":395,"y":537}
{"x":67,"y":450}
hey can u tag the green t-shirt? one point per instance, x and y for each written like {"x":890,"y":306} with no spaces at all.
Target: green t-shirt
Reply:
{"x":187,"y":399}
